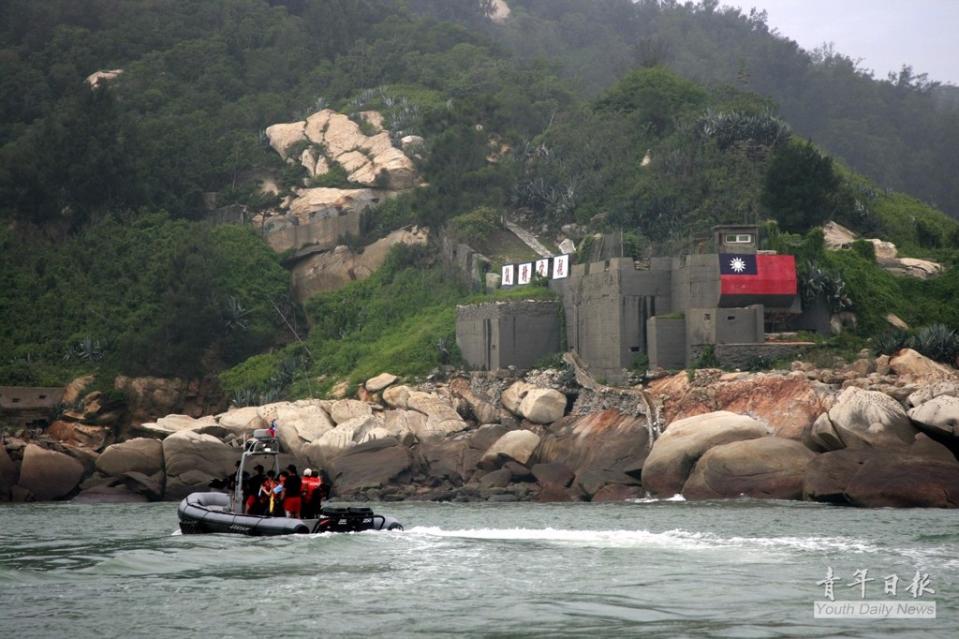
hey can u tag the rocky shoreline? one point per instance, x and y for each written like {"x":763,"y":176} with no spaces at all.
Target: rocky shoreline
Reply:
{"x":878,"y":432}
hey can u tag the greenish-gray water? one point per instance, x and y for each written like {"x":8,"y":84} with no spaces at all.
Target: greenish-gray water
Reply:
{"x":652,"y":569}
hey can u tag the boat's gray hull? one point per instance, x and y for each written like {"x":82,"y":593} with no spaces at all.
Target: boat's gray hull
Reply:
{"x":201,"y":513}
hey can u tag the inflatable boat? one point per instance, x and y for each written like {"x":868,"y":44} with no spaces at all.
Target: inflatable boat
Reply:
{"x":217,"y":512}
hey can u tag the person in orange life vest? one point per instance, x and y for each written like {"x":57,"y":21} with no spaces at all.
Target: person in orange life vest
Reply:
{"x":292,"y":500}
{"x":311,"y":497}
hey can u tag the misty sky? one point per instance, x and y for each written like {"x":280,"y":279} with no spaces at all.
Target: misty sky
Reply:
{"x":885,"y":33}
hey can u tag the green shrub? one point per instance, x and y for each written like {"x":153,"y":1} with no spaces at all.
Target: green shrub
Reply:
{"x":864,"y":249}
{"x":474,"y":227}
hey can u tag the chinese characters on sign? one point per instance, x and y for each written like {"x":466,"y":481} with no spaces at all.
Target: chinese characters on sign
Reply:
{"x":556,"y":268}
{"x":919,"y":586}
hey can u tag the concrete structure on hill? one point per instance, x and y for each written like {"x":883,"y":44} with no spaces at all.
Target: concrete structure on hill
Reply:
{"x":665,"y":312}
{"x":28,"y":405}
{"x":509,"y":333}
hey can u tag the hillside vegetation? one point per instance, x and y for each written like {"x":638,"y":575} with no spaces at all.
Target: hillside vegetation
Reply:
{"x":110,"y":263}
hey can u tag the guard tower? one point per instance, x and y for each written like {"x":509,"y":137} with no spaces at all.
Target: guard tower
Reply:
{"x":736,"y":238}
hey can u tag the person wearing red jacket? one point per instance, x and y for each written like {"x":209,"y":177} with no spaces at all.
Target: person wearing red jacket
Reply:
{"x":311,"y":496}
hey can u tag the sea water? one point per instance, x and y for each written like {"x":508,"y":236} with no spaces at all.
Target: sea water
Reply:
{"x":650,"y":568}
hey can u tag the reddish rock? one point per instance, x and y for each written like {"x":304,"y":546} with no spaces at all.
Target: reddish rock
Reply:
{"x":553,"y":473}
{"x":905,"y":482}
{"x":787,"y":403}
{"x":764,"y":468}
{"x":885,"y":477}
{"x":602,"y":441}
{"x":93,"y":437}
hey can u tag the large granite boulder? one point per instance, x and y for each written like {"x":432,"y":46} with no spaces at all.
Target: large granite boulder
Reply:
{"x":513,"y":396}
{"x":931,"y":391}
{"x":140,"y":455}
{"x":862,"y":418}
{"x":677,"y":450}
{"x":285,"y":136}
{"x":193,"y":460}
{"x":375,"y":464}
{"x":604,"y":441}
{"x":837,"y":476}
{"x":174,"y":423}
{"x":766,"y":468}
{"x":243,"y":421}
{"x":920,"y":369}
{"x":332,"y":270}
{"x":380,"y":382}
{"x":516,"y":445}
{"x":8,"y":474}
{"x":441,"y":418}
{"x":345,"y":410}
{"x":484,"y":410}
{"x":47,"y":474}
{"x":298,"y":423}
{"x":905,"y":482}
{"x":442,"y":459}
{"x":543,"y":405}
{"x":938,"y":417}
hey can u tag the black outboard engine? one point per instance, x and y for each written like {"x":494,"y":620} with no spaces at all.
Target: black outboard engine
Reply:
{"x":353,"y":519}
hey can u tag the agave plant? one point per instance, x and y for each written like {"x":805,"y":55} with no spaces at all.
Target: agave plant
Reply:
{"x":937,"y":342}
{"x":818,"y":283}
{"x":243,"y":397}
{"x":891,"y":342}
{"x":235,"y":315}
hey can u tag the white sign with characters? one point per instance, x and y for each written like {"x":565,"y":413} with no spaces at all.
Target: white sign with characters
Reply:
{"x":560,"y":267}
{"x":525,"y":273}
{"x":507,"y":278}
{"x":542,"y":268}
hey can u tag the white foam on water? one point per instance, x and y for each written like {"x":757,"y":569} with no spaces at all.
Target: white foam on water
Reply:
{"x":653,"y":500}
{"x":671,"y":539}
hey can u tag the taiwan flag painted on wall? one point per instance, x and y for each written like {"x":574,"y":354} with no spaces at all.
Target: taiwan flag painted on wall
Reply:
{"x":750,"y":275}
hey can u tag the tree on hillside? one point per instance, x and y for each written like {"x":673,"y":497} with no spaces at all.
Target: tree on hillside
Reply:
{"x":654,"y":97}
{"x":801,"y":189}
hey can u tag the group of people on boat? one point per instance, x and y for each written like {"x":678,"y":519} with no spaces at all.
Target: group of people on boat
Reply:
{"x":283,"y":494}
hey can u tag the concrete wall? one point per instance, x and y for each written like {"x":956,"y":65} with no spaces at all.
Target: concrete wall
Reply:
{"x":667,"y":342}
{"x":746,"y":356}
{"x":606,"y":306}
{"x":501,"y":334}
{"x":29,"y":397}
{"x":470,"y":265}
{"x":724,"y":325}
{"x":695,"y":282}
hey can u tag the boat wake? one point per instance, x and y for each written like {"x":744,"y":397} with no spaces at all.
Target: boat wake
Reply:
{"x":677,"y":539}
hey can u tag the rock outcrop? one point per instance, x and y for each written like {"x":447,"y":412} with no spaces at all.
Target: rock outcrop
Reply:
{"x":193,"y":460}
{"x":788,"y":403}
{"x":516,"y":445}
{"x":47,"y":474}
{"x":140,"y":455}
{"x":939,"y":417}
{"x":335,"y":269}
{"x":766,"y":468}
{"x":860,"y":419}
{"x":676,"y":452}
